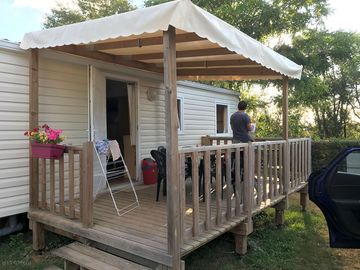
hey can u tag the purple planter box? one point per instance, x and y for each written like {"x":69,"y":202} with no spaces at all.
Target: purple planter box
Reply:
{"x":51,"y":151}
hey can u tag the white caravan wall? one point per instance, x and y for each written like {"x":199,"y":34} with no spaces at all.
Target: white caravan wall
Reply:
{"x":14,"y":119}
{"x":63,"y":90}
{"x":63,"y":98}
{"x":199,"y":103}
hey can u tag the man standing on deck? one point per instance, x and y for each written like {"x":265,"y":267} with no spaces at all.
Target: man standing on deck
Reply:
{"x":241,"y":124}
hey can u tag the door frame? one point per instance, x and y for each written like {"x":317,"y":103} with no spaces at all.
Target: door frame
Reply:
{"x":117,"y":76}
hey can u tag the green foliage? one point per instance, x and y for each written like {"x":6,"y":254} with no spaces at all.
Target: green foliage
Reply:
{"x":322,"y":152}
{"x":330,"y":80}
{"x":87,"y":9}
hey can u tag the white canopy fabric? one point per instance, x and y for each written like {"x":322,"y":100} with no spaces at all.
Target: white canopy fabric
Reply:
{"x":181,"y":14}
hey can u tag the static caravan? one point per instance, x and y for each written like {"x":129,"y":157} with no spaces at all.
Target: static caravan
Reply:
{"x":124,"y":82}
{"x":129,"y":106}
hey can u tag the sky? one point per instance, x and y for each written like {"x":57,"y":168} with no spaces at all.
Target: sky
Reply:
{"x":20,"y":16}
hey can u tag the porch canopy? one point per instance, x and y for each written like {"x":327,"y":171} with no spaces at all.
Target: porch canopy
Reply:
{"x":207,"y":48}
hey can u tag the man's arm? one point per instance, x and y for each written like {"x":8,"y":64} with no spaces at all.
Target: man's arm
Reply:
{"x":248,"y":123}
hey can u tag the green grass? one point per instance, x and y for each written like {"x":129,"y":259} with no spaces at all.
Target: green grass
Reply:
{"x":301,"y":244}
{"x":16,"y":252}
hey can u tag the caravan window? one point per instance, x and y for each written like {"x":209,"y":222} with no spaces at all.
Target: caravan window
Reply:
{"x":222,"y":123}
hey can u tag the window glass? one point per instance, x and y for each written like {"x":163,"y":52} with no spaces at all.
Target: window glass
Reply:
{"x":221,"y":118}
{"x":350,"y":164}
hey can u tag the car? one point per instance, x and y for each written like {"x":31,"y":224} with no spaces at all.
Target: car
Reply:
{"x":335,"y":189}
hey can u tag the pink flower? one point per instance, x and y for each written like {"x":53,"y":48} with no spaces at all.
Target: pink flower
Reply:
{"x":36,"y":129}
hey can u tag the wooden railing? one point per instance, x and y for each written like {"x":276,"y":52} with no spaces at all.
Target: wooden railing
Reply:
{"x":238,"y":180}
{"x":215,"y":206}
{"x":65,"y":185}
{"x":300,"y":161}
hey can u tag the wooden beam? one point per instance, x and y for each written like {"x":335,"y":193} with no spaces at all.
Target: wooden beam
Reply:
{"x":172,"y":176}
{"x":261,"y":71}
{"x":285,"y":108}
{"x":184,"y":54}
{"x":34,"y":122}
{"x":229,"y":77}
{"x":141,"y":42}
{"x":218,"y":63}
{"x":72,"y":49}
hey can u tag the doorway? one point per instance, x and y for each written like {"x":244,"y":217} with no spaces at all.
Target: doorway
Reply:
{"x":118,"y":125}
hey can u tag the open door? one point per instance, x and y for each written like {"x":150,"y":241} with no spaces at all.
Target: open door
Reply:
{"x":335,"y":189}
{"x":98,"y":104}
{"x":113,"y":113}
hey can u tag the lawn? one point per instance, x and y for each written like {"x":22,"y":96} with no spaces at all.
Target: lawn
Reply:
{"x":302,"y":243}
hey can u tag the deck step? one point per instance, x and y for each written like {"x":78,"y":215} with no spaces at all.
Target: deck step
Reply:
{"x":94,"y":259}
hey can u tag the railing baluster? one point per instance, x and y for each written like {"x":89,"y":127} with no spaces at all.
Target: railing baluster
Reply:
{"x":292,"y":165}
{"x":266,"y":186}
{"x":219,"y":187}
{"x":71,"y":185}
{"x":82,"y":181}
{"x":281,"y":166}
{"x":238,"y":190}
{"x":207,"y":187}
{"x":296,"y":164}
{"x":42,"y":163}
{"x":228,"y":184}
{"x":61,"y":186}
{"x":303,"y":161}
{"x":195,"y":193}
{"x":259,"y":177}
{"x":182,"y":197}
{"x":275,"y":170}
{"x":52,"y":185}
{"x":271,"y":166}
{"x":306,"y":159}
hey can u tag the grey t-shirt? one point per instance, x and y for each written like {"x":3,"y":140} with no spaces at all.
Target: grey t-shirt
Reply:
{"x":239,"y":122}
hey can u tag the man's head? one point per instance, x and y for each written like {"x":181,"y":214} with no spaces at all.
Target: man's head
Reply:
{"x":242,"y":105}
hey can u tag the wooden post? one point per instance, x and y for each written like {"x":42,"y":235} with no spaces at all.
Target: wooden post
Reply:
{"x":285,"y":107}
{"x":279,"y":213}
{"x":304,"y":198}
{"x":34,"y":122}
{"x":173,"y":198}
{"x":285,"y":119}
{"x":86,"y":186}
{"x":38,"y":233}
{"x":242,"y":231}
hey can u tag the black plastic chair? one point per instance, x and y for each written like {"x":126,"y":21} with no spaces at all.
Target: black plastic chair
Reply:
{"x":160,"y":159}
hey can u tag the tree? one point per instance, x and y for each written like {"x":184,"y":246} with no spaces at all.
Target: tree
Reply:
{"x":330,"y":80}
{"x":87,"y":9}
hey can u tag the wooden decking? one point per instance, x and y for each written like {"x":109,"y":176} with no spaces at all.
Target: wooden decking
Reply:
{"x":141,"y":232}
{"x":231,"y":199}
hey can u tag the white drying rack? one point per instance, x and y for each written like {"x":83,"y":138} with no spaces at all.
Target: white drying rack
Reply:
{"x":117,"y":169}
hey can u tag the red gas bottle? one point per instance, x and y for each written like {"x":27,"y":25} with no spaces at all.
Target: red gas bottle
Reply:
{"x":150,"y":172}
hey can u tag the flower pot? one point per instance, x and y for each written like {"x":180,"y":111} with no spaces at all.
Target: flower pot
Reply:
{"x":51,"y":151}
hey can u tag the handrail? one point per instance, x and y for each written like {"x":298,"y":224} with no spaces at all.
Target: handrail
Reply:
{"x":210,"y":148}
